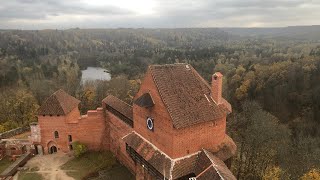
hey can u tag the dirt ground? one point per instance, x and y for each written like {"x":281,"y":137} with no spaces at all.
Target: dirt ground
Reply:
{"x":48,"y":166}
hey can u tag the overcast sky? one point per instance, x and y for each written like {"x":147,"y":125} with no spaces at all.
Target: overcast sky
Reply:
{"x":62,"y":14}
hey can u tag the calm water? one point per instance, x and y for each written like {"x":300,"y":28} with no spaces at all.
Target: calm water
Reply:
{"x":95,"y":73}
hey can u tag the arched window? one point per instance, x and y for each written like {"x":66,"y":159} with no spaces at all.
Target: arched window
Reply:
{"x":56,"y":134}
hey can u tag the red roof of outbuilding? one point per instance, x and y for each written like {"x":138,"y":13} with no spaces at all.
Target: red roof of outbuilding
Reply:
{"x":122,"y":107}
{"x":59,"y":103}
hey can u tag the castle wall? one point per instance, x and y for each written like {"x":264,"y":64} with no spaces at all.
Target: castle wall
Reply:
{"x":117,"y":130}
{"x":89,"y":129}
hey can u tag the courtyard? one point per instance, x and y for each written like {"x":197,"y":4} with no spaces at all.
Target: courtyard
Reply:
{"x":61,"y":166}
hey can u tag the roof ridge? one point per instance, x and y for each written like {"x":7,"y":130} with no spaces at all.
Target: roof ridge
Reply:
{"x":175,"y":64}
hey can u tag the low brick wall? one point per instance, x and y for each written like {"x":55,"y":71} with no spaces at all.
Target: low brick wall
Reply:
{"x":14,"y":132}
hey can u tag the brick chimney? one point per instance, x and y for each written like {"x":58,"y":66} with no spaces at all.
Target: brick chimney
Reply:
{"x":216,"y":87}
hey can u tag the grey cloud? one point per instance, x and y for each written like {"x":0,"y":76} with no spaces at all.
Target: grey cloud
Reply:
{"x":35,"y":9}
{"x":167,"y":13}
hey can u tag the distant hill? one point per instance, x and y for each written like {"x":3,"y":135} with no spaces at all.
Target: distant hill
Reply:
{"x":292,"y":32}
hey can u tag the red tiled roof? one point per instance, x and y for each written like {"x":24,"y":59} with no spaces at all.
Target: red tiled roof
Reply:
{"x":184,"y":166}
{"x":59,"y":103}
{"x":216,"y":170}
{"x":153,"y":156}
{"x":186,"y":95}
{"x":119,"y":105}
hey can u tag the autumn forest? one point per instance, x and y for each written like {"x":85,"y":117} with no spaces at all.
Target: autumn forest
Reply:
{"x":271,"y":78}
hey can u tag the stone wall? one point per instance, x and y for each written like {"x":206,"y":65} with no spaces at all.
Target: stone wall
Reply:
{"x":35,"y":136}
{"x":14,"y":132}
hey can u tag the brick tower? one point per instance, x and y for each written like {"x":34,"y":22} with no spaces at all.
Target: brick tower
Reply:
{"x":178,"y":120}
{"x":60,"y":124}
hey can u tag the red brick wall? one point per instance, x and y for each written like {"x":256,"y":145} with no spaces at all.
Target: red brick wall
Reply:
{"x":192,"y":139}
{"x":118,"y":129}
{"x":163,"y":134}
{"x":90,"y":129}
{"x":49,"y":124}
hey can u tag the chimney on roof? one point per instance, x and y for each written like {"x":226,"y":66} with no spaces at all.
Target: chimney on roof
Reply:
{"x":216,"y":87}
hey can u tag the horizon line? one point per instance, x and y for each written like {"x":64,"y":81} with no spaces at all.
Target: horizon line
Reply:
{"x":114,"y":28}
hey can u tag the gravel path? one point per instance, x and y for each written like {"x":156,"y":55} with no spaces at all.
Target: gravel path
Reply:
{"x":49,"y":166}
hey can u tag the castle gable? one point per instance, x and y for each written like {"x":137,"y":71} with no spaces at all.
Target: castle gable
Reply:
{"x":59,"y":103}
{"x":186,"y":95}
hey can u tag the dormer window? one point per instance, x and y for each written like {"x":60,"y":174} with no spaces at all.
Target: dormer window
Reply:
{"x":145,"y":101}
{"x":150,"y":124}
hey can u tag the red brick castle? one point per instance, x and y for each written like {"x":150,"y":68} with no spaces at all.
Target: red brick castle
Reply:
{"x":176,"y":128}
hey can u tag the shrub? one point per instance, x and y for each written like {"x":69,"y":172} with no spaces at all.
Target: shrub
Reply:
{"x":79,"y":148}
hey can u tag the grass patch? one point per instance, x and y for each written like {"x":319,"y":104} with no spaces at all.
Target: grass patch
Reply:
{"x":89,"y":163}
{"x":118,"y":172}
{"x":4,"y":163}
{"x":27,"y":175}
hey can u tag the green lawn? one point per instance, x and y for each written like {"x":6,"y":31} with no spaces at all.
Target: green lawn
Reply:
{"x":4,"y":163}
{"x":118,"y":172}
{"x":90,"y":163}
